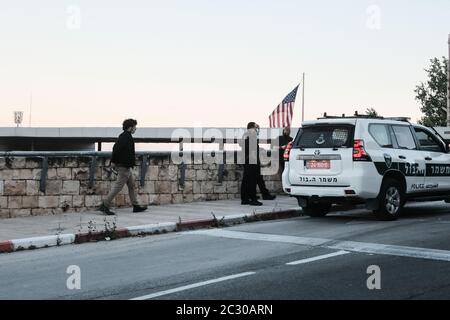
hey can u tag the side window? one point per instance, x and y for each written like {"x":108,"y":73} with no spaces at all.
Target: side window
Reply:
{"x":380,"y":133}
{"x":427,"y":142}
{"x":404,"y":137}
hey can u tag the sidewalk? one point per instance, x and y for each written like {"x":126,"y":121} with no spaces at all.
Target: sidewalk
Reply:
{"x":44,"y":231}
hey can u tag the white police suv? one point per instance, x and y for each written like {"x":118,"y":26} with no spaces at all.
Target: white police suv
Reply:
{"x":379,"y":162}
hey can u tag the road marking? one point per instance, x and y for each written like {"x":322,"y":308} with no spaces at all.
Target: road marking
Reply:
{"x":352,"y":246}
{"x":194,"y":285}
{"x":325,"y":256}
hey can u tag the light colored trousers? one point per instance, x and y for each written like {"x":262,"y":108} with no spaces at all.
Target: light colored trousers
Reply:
{"x":124,"y":176}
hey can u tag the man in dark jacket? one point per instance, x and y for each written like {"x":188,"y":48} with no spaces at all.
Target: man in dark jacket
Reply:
{"x":283,"y":141}
{"x":251,"y":153}
{"x":252,"y":169}
{"x":123,"y":158}
{"x":260,"y":180}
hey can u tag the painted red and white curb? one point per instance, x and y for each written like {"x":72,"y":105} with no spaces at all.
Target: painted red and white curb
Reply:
{"x":143,"y":230}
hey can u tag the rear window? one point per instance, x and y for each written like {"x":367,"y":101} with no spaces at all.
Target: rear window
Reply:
{"x":324,"y":136}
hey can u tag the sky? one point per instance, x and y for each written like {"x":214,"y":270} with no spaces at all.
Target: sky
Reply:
{"x":211,"y":63}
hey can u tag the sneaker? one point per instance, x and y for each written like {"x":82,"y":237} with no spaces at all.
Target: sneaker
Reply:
{"x":244,"y":202}
{"x":269,"y":196}
{"x":255,"y":203}
{"x":139,"y":208}
{"x":106,"y":210}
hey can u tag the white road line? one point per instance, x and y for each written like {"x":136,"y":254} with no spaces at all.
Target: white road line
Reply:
{"x":194,"y":285}
{"x":325,"y":256}
{"x":352,"y":246}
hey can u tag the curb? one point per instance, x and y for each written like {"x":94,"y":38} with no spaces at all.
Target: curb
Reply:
{"x":6,"y":246}
{"x":143,"y":230}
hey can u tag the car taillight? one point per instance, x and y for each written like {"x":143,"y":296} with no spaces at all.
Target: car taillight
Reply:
{"x":287,"y":151}
{"x":359,"y":153}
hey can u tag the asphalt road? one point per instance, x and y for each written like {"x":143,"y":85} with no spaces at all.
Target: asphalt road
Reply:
{"x":299,"y":258}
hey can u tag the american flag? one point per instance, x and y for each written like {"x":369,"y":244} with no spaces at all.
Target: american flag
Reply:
{"x":282,"y":115}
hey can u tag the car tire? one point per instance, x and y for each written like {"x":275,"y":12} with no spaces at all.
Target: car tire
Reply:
{"x":317,"y":210}
{"x":391,"y":200}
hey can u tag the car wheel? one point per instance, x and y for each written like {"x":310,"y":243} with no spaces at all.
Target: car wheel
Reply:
{"x":391,"y":200}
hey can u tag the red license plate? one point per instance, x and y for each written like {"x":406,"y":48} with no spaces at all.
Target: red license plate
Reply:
{"x":318,"y":164}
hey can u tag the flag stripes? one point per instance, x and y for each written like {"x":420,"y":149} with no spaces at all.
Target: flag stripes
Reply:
{"x":282,"y":115}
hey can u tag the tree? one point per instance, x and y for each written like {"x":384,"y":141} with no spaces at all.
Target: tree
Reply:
{"x":371,"y":112}
{"x":433,"y":94}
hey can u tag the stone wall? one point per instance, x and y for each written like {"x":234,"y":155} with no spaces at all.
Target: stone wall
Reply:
{"x":67,"y":185}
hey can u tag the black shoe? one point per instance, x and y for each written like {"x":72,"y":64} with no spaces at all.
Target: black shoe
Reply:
{"x":139,"y":208}
{"x":269,"y":196}
{"x":244,"y":202}
{"x":255,"y":203}
{"x":106,"y":210}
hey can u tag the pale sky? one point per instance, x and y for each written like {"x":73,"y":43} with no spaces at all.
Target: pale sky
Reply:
{"x":210,"y":62}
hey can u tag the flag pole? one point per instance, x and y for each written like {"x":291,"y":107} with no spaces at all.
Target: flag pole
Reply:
{"x":31,"y":105}
{"x":303,"y":98}
{"x":448,"y":84}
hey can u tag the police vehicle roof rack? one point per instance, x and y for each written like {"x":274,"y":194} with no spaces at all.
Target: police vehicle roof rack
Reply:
{"x":356,"y":115}
{"x":404,"y":119}
{"x":364,"y":116}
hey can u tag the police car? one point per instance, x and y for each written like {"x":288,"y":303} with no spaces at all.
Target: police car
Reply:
{"x":379,"y":162}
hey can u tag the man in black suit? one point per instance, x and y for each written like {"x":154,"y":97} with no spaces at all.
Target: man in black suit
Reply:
{"x":251,"y":154}
{"x":252,"y":169}
{"x":260,"y":180}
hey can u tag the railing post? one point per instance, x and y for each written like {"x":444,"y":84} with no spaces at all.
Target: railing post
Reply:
{"x":92,"y":172}
{"x":182,"y":166}
{"x":44,"y":173}
{"x":144,"y":167}
{"x":221,"y":165}
{"x":182,"y":174}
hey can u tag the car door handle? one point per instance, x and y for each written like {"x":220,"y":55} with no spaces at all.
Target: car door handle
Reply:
{"x":428,"y":158}
{"x":402,"y":157}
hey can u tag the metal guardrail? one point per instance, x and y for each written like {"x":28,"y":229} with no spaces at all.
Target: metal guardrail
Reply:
{"x":144,"y":161}
{"x":7,"y":154}
{"x":45,"y":155}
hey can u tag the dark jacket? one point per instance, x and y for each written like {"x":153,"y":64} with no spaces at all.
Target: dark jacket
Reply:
{"x":282,"y":143}
{"x":123,"y":151}
{"x":250,"y":147}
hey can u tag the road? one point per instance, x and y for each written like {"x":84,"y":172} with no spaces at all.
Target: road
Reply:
{"x":300,"y":258}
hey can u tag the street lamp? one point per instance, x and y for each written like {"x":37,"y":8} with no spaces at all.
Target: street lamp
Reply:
{"x":18,"y":118}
